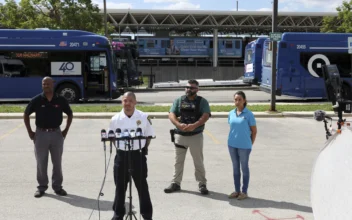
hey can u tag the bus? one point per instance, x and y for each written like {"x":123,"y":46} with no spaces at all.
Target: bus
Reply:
{"x":81,"y":63}
{"x":300,"y":57}
{"x":253,"y":61}
{"x":126,"y":59}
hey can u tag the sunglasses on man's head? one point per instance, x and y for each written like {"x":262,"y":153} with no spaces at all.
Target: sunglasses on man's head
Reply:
{"x":191,"y":87}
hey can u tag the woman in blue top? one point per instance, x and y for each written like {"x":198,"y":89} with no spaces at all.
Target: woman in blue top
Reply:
{"x":241,"y":137}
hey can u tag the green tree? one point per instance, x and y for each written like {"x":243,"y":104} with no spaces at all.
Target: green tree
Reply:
{"x":53,"y":14}
{"x":342,"y":23}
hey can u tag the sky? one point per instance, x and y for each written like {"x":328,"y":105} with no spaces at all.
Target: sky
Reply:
{"x":224,"y":5}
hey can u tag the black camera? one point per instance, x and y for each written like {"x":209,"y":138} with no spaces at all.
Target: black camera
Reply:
{"x":337,"y":92}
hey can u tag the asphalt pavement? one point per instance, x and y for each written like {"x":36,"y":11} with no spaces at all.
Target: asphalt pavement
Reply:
{"x":280,"y":164}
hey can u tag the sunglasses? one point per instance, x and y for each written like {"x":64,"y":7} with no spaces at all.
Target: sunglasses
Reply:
{"x":191,"y":87}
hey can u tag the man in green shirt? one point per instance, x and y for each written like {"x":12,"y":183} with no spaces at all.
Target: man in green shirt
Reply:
{"x":189,"y":113}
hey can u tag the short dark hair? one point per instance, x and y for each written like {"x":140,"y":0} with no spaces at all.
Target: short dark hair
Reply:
{"x":129,"y":94}
{"x":243,"y":96}
{"x":193,"y":81}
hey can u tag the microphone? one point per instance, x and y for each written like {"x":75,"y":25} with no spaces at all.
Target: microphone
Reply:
{"x":103,"y":135}
{"x":125,"y":134}
{"x":320,"y":115}
{"x":118,"y":136}
{"x":118,"y":132}
{"x":111,"y":137}
{"x":139,"y":132}
{"x":132,"y":133}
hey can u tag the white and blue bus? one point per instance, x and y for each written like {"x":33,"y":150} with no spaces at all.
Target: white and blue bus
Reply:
{"x":300,"y":57}
{"x":81,"y":63}
{"x":253,"y":61}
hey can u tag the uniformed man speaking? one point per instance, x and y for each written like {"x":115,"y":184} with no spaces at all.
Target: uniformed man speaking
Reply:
{"x":48,"y":137}
{"x":189,"y":114}
{"x":130,"y":118}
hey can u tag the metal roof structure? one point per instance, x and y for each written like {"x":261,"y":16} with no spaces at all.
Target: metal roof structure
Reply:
{"x":224,"y":21}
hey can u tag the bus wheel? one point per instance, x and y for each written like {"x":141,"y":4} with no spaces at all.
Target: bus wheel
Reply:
{"x":69,"y":92}
{"x":347,"y":92}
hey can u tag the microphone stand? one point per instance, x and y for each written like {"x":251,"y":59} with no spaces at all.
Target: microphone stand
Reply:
{"x":328,"y":134}
{"x":130,"y":170}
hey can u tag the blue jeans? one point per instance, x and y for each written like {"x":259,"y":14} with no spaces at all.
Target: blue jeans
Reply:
{"x":240,"y":156}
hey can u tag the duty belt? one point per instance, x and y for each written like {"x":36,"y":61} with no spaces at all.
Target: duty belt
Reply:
{"x":182,"y":133}
{"x":47,"y":129}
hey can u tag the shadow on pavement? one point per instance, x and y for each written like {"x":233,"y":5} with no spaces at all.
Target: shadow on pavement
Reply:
{"x":252,"y":202}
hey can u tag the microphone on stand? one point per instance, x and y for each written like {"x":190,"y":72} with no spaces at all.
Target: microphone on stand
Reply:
{"x":139,"y":135}
{"x":139,"y":132}
{"x":103,"y":137}
{"x":126,"y":136}
{"x":111,"y":137}
{"x":118,"y":136}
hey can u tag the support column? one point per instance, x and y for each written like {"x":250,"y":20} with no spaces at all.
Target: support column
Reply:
{"x":215,"y":48}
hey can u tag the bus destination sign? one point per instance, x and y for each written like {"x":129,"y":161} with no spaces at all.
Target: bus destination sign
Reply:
{"x":28,"y":55}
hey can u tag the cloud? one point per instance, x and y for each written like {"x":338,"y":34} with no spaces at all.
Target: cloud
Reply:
{"x":297,"y":5}
{"x":240,"y":9}
{"x":181,"y":6}
{"x":264,"y":9}
{"x":163,"y":1}
{"x":113,"y":5}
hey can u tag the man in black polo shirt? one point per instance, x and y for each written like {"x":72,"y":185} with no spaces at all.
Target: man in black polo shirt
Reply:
{"x":48,"y":137}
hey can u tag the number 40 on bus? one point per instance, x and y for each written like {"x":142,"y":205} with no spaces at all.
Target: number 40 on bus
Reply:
{"x":82,"y":64}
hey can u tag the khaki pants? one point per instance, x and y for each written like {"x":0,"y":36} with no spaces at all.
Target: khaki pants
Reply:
{"x":195,"y":145}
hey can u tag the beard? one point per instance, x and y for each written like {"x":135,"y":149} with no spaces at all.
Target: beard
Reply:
{"x":190,"y":93}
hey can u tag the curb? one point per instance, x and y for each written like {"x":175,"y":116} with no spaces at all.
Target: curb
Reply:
{"x":137,"y":90}
{"x":164,"y":115}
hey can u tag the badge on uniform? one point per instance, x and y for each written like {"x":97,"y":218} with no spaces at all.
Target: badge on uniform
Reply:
{"x":149,"y":119}
{"x":139,"y":122}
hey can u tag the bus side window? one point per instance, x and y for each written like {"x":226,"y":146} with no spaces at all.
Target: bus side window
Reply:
{"x":237,"y":44}
{"x":163,"y":43}
{"x":1,"y":69}
{"x":211,"y":44}
{"x":228,"y":44}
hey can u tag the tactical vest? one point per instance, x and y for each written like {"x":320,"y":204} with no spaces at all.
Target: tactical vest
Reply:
{"x":190,"y":110}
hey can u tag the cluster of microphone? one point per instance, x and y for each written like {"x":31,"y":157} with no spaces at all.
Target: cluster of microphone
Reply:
{"x":125,"y":135}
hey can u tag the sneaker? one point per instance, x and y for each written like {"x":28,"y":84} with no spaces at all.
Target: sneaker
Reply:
{"x":61,"y":192}
{"x":203,"y":189}
{"x":242,"y":196}
{"x":39,"y":194}
{"x":234,"y":195}
{"x":172,"y":188}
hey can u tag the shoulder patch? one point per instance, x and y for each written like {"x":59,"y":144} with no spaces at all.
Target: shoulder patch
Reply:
{"x":150,"y":120}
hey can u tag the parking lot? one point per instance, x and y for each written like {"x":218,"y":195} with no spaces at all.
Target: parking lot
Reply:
{"x":280,"y":166}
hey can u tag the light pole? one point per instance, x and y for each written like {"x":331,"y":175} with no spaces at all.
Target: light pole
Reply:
{"x":273,"y":63}
{"x":105,"y":20}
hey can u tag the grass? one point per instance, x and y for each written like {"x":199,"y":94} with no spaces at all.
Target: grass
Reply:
{"x":217,"y":108}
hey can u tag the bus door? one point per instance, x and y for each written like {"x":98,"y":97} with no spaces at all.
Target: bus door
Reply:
{"x":289,"y":71}
{"x":97,"y":80}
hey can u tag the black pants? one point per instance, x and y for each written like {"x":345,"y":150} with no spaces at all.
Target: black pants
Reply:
{"x":139,"y":175}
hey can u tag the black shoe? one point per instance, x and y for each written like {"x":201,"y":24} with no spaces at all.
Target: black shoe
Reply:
{"x":61,"y":192}
{"x":39,"y":194}
{"x":203,"y":189}
{"x":172,"y":188}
